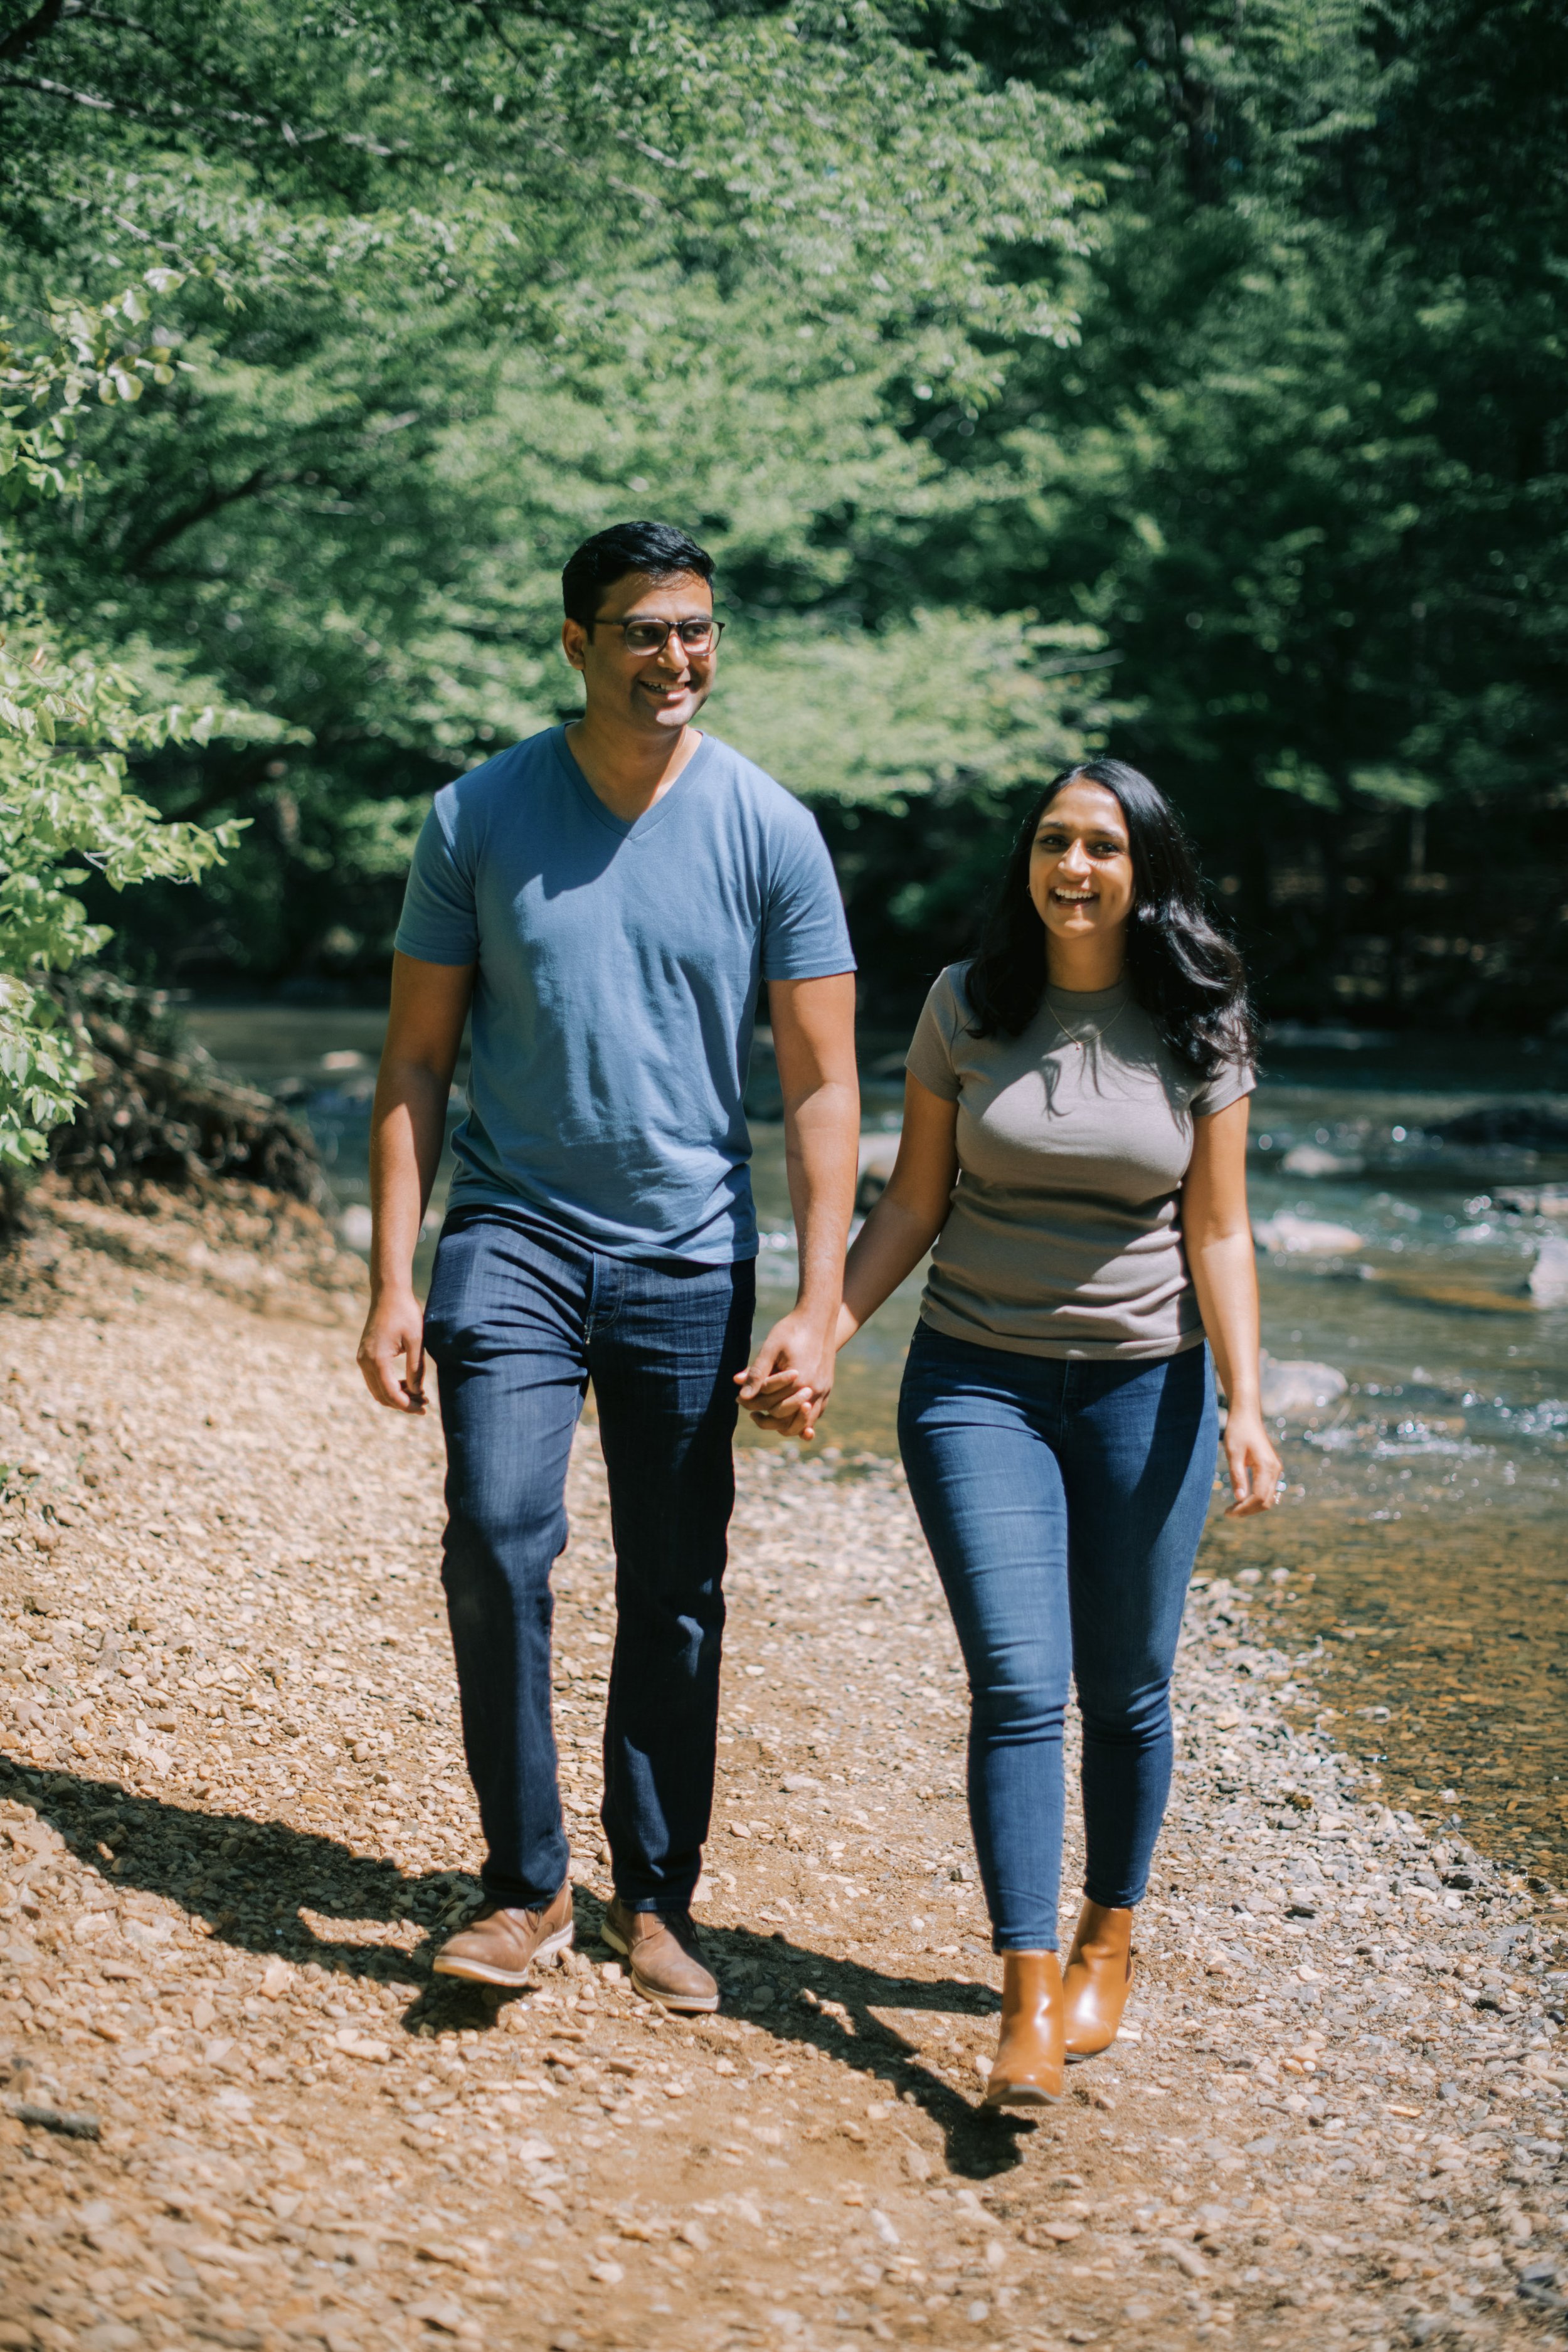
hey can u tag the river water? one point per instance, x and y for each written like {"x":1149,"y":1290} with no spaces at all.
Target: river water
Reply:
{"x":1411,"y":1200}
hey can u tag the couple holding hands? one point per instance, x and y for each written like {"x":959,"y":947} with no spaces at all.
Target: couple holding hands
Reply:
{"x":603,"y":900}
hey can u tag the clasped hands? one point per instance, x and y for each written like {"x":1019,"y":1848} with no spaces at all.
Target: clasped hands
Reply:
{"x":786,"y":1386}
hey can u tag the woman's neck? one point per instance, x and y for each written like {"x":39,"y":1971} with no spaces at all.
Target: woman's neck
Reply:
{"x":1084,"y":966}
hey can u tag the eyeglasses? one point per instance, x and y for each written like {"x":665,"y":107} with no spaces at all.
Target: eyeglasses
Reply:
{"x":699,"y":635}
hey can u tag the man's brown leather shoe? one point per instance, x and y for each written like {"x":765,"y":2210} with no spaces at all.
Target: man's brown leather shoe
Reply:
{"x":666,"y":1958}
{"x":500,"y":1947}
{"x":1027,"y":2070}
{"x":1097,"y":1979}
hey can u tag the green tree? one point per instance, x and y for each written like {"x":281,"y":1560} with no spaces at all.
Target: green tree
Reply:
{"x":69,"y":719}
{"x":1306,"y":464}
{"x":506,"y":278}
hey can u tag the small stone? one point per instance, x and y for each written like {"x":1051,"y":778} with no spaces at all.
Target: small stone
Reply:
{"x":917,"y":2164}
{"x":370,"y":2051}
{"x":606,"y":2273}
{"x":693,"y":2234}
{"x":439,"y":2313}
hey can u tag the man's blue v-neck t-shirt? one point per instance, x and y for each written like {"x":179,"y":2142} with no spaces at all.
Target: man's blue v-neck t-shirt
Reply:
{"x":617,"y":975}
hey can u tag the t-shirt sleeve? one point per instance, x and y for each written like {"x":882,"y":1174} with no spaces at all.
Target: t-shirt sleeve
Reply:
{"x":930,"y":1058}
{"x":1226,"y":1087}
{"x":440,"y":921}
{"x":804,"y":935}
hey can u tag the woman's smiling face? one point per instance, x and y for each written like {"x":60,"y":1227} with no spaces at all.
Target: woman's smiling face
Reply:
{"x":1080,"y":867}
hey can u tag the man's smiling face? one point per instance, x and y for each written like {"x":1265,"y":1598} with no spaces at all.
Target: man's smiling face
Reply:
{"x":660,"y":692}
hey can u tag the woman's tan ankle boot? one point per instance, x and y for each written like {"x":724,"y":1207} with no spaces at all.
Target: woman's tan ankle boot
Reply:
{"x":1097,"y":1979}
{"x":1027,"y":2072}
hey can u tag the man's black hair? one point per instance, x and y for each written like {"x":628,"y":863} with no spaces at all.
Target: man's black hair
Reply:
{"x":656,"y":549}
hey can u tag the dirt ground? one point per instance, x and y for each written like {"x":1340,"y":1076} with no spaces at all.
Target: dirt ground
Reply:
{"x":234,"y":1819}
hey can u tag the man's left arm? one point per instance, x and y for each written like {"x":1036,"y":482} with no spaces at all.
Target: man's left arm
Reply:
{"x":814,"y":1043}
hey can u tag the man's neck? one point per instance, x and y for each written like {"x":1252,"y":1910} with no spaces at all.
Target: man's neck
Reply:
{"x":629,"y":770}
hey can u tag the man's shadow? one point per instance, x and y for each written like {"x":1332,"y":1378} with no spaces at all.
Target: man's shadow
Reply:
{"x":257,"y":1883}
{"x":251,"y":1881}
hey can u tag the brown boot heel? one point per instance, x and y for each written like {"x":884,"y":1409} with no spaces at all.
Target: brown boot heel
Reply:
{"x":1096,"y":1980}
{"x":1027,"y":2068}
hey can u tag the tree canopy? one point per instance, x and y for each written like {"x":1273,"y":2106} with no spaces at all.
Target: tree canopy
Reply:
{"x":1042,"y":374}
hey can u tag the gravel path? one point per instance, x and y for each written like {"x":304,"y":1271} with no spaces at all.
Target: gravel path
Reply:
{"x":233,"y":1815}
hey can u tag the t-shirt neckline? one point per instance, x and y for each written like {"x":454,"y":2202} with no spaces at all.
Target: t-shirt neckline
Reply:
{"x":595,"y":807}
{"x":1089,"y":1000}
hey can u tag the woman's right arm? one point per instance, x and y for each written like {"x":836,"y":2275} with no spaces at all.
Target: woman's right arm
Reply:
{"x":890,"y":1246}
{"x":911,"y":1213}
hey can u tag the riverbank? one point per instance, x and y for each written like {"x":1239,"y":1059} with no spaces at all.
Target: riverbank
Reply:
{"x":233,"y":1817}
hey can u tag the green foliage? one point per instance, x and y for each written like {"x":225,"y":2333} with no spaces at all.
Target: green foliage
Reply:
{"x":70,"y":720}
{"x":861,"y":717}
{"x":1227,"y":341}
{"x":1308,"y":466}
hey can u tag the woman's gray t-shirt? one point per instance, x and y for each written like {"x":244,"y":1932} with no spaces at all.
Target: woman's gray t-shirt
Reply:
{"x":1064,"y":1237}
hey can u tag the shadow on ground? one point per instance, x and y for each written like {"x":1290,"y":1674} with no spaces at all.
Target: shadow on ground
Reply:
{"x":260,"y":1888}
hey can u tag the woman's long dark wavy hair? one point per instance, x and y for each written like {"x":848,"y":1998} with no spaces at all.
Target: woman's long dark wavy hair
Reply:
{"x":1183,"y":972}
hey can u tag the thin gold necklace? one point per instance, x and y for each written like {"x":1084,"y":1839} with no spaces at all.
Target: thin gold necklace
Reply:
{"x":1090,"y":1036}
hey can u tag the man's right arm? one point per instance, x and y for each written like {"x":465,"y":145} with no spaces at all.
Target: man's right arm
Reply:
{"x":409,"y":1127}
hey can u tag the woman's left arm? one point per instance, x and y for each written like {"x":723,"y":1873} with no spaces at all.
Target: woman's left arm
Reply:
{"x":1218,"y":1233}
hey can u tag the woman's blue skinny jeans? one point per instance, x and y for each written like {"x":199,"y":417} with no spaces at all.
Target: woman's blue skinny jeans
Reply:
{"x":1063,"y":1499}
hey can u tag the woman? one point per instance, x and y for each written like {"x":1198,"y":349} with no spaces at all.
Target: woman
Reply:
{"x":1074,"y":1145}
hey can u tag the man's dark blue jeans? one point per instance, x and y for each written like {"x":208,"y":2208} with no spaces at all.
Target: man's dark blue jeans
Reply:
{"x":1063,"y":1501}
{"x":520,"y":1318}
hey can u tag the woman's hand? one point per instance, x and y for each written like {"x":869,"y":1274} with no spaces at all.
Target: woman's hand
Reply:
{"x":782,"y":1401}
{"x":1256,"y":1476}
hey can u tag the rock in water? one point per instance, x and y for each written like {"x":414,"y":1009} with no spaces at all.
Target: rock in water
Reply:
{"x":877,"y":1154}
{"x":1312,"y":1159}
{"x":1520,"y":1127}
{"x":1305,"y":1236}
{"x":1549,"y":1275}
{"x":356,"y":1227}
{"x":1299,"y":1388}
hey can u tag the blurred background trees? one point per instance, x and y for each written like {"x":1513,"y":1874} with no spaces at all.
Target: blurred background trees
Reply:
{"x":1043,"y":375}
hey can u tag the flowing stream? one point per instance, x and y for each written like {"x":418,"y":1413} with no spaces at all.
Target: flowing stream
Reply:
{"x":1410,"y":1198}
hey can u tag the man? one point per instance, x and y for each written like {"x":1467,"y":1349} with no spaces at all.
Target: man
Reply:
{"x":606,"y":897}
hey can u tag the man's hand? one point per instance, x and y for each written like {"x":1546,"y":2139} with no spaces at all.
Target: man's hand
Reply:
{"x":789,"y":1380}
{"x":392,"y":1351}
